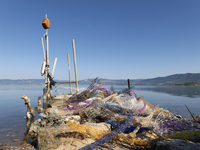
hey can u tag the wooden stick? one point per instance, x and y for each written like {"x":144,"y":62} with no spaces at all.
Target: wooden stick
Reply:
{"x":43,"y":48}
{"x":75,"y":68}
{"x":54,"y":65}
{"x":69,"y":74}
{"x":158,"y":109}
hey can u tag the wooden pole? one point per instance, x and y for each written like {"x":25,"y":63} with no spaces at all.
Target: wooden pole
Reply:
{"x":129,"y":85}
{"x":69,"y":74}
{"x":54,"y":65}
{"x":75,"y":68}
{"x":43,"y":48}
{"x":47,"y":59}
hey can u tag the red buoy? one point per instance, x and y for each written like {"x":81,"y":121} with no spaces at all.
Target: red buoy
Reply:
{"x":46,"y":23}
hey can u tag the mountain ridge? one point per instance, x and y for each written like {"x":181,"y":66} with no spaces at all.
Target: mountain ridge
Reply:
{"x":167,"y":80}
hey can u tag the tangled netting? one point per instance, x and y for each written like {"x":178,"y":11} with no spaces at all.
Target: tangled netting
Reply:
{"x":102,"y":108}
{"x":115,"y":132}
{"x":116,"y":124}
{"x":171,"y":126}
{"x":99,"y":102}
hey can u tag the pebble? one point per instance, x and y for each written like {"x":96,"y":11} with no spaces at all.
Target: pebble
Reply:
{"x":15,"y":140}
{"x":7,"y":147}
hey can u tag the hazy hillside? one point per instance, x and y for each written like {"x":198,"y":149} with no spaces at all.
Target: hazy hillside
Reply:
{"x":22,"y":82}
{"x":172,"y":79}
{"x":168,"y":80}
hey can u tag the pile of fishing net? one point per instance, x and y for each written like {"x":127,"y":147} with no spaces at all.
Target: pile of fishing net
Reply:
{"x":128,"y":115}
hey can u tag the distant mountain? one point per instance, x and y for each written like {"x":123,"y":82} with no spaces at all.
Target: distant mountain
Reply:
{"x":172,"y":79}
{"x":21,"y":82}
{"x":168,"y":80}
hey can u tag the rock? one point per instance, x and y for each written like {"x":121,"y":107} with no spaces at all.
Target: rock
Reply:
{"x":81,"y":113}
{"x":195,"y":138}
{"x":43,"y":123}
{"x":74,"y":119}
{"x":74,"y":144}
{"x":15,"y":140}
{"x":101,"y":126}
{"x":34,"y":127}
{"x":48,"y":137}
{"x":176,"y":144}
{"x":147,"y":135}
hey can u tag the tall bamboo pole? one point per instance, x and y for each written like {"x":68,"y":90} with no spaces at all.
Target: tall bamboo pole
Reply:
{"x":53,"y":69}
{"x":69,"y":74}
{"x":75,"y":68}
{"x":43,"y":48}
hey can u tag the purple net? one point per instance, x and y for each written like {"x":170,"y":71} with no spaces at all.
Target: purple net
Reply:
{"x":171,"y":126}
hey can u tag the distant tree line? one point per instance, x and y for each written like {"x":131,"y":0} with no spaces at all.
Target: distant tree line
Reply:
{"x":188,"y":84}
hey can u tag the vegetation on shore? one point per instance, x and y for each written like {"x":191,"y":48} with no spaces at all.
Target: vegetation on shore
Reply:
{"x":188,"y":84}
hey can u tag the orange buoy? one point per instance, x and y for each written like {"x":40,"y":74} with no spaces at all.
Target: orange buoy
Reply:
{"x":46,"y":23}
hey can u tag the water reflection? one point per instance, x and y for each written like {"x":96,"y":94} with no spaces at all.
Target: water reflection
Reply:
{"x":186,"y":91}
{"x":29,"y":121}
{"x":28,"y":125}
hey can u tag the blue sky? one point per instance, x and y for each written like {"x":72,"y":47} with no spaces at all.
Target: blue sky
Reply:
{"x":114,"y":39}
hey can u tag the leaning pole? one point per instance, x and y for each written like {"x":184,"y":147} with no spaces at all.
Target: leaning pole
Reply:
{"x":75,"y":68}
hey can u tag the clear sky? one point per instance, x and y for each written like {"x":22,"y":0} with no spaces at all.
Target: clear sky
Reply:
{"x":114,"y":39}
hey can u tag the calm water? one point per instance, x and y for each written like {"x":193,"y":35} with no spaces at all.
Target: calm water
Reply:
{"x":13,"y":110}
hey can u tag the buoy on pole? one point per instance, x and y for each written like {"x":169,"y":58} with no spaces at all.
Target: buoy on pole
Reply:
{"x":46,"y":25}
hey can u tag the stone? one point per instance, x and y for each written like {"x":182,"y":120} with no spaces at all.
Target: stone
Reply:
{"x":48,"y":137}
{"x":101,"y":126}
{"x":34,"y":128}
{"x":15,"y":140}
{"x":73,"y":118}
{"x":147,"y":135}
{"x":195,"y":138}
{"x":74,"y":144}
{"x":176,"y":144}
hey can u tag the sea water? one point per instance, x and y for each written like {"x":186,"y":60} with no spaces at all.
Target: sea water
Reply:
{"x":13,"y":109}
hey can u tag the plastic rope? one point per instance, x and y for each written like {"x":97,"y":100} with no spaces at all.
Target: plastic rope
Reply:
{"x":77,"y":100}
{"x":116,"y":124}
{"x":46,"y":116}
{"x":104,"y":89}
{"x":133,"y":93}
{"x":140,"y":110}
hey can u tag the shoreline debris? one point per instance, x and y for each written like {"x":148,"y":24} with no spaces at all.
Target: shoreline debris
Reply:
{"x":104,"y":117}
